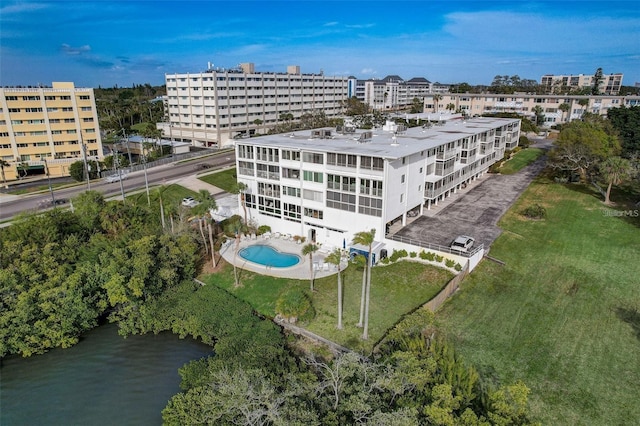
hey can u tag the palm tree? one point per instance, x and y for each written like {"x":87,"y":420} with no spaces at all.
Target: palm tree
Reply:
{"x":366,"y":239}
{"x":207,"y":202}
{"x":436,"y":99}
{"x":583,"y":103}
{"x":309,"y":249}
{"x":335,"y":257}
{"x":565,"y":107}
{"x":3,"y":164}
{"x":451,"y":107}
{"x":240,"y":188}
{"x":615,"y":170}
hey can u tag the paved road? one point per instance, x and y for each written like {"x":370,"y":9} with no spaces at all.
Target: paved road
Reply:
{"x":476,"y":211}
{"x":13,"y":205}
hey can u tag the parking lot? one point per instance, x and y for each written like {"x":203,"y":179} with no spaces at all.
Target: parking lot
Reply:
{"x":474,"y":211}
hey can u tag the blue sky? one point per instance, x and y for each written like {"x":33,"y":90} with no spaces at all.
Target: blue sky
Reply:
{"x":107,"y":43}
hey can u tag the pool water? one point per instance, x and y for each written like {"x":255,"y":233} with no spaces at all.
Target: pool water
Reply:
{"x":268,"y":256}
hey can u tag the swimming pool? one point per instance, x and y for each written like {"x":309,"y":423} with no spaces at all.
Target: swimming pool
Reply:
{"x":268,"y":256}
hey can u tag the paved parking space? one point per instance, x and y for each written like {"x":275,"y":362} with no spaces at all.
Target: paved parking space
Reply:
{"x":474,"y":212}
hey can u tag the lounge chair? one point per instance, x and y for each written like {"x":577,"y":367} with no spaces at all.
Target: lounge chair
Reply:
{"x":325,"y":266}
{"x":253,"y":236}
{"x":277,"y":235}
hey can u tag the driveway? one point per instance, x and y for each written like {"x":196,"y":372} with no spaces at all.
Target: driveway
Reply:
{"x":476,"y":211}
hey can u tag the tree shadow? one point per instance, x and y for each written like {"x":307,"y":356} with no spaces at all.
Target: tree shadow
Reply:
{"x":631,"y":316}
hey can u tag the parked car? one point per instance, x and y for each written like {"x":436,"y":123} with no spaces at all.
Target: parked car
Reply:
{"x":49,"y":202}
{"x":462,"y":243}
{"x":116,"y":177}
{"x":189,"y":202}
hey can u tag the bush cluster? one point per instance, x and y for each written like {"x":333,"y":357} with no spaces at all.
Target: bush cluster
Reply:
{"x":535,"y":211}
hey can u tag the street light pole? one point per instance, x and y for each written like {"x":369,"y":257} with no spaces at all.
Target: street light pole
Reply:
{"x":46,"y":168}
{"x":146,"y":181}
{"x":86,"y":164}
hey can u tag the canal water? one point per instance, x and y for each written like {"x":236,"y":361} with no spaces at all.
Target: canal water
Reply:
{"x":103,"y":380}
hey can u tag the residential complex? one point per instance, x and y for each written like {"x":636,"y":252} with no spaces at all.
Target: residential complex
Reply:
{"x":609,"y":85}
{"x":391,"y":92}
{"x":472,"y":104}
{"x":47,"y":129}
{"x":326,"y":185}
{"x":214,"y":107}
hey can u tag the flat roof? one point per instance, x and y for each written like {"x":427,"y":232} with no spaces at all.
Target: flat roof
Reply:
{"x":382,"y":142}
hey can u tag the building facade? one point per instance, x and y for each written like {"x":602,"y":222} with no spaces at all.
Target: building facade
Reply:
{"x":214,"y":107}
{"x":391,"y":92}
{"x":46,"y":129}
{"x":557,"y":109}
{"x":327,"y":186}
{"x":609,"y":85}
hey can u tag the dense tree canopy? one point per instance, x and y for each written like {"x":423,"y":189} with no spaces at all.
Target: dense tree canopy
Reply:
{"x":627,"y":122}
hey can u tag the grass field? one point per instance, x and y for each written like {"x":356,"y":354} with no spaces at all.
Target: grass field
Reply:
{"x":563,"y":314}
{"x":171,"y":195}
{"x":224,"y":180}
{"x":520,"y":160}
{"x":395,"y":290}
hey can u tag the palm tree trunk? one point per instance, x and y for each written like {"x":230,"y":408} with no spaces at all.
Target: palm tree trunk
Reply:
{"x":235,"y":256}
{"x":365,"y":331}
{"x":311,"y":271}
{"x":339,"y":299}
{"x":206,"y":247}
{"x":606,"y":195}
{"x":162,"y":213}
{"x":213,"y":250}
{"x":362,"y":296}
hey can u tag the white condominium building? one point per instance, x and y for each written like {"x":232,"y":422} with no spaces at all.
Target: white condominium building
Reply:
{"x":391,"y":92}
{"x":609,"y":85}
{"x":214,"y":107}
{"x":326,"y":185}
{"x":47,"y":129}
{"x":557,"y":109}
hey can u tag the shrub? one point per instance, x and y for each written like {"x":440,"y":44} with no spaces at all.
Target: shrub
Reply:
{"x":535,"y":211}
{"x":430,"y":256}
{"x":449,"y":263}
{"x":293,"y":304}
{"x":458,"y":267}
{"x":423,"y":255}
{"x":524,"y":141}
{"x":413,"y":254}
{"x":385,"y":261}
{"x":397,"y":254}
{"x":263,"y":229}
{"x":439,"y":258}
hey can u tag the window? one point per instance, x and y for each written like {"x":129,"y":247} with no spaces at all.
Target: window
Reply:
{"x":311,"y":157}
{"x":245,"y":151}
{"x":308,"y":194}
{"x":292,"y":192}
{"x":370,"y":206}
{"x":342,"y":160}
{"x":371,"y":163}
{"x":402,"y":179}
{"x":291,"y":211}
{"x":268,"y":154}
{"x":316,"y":214}
{"x":371,"y":187}
{"x":269,"y":189}
{"x":246,"y":168}
{"x":290,"y":155}
{"x":312,"y":176}
{"x":290,"y":173}
{"x":341,"y":201}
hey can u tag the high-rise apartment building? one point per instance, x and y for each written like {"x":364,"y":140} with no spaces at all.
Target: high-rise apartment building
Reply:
{"x":391,"y":92}
{"x":609,"y":85}
{"x":47,"y":129}
{"x":213,"y":107}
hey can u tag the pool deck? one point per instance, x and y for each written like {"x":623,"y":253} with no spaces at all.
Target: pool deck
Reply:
{"x":299,"y":271}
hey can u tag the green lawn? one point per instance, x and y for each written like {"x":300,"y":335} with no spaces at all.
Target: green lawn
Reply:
{"x":171,"y":195}
{"x":520,"y":160}
{"x":563,"y":315}
{"x":395,"y":290}
{"x":225,"y":179}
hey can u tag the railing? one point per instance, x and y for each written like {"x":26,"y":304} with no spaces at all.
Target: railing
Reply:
{"x":162,"y":161}
{"x":435,"y":247}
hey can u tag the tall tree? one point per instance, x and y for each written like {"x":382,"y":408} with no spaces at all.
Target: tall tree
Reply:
{"x":565,"y":107}
{"x":335,"y":258}
{"x":436,"y":100}
{"x":309,"y":250}
{"x":597,"y":79}
{"x":366,"y":239}
{"x":3,"y":164}
{"x":615,"y":170}
{"x":241,"y":188}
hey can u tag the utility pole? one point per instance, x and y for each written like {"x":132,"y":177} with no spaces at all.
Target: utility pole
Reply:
{"x":146,"y":181}
{"x":46,"y":168}
{"x":86,"y":164}
{"x":128,"y":150}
